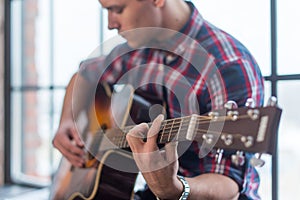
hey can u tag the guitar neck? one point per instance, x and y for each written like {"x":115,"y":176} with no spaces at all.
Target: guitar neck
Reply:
{"x":245,"y":129}
{"x":177,"y":129}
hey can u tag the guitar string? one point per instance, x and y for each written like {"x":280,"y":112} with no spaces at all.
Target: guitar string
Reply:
{"x":173,"y":132}
{"x":125,"y":144}
{"x":196,"y":138}
{"x":121,"y":141}
{"x":178,"y":125}
{"x":166,"y":125}
{"x":166,"y":122}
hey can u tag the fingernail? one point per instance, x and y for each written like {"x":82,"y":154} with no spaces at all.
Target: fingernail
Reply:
{"x":160,"y":117}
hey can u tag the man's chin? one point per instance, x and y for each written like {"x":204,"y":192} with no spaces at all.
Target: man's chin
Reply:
{"x":130,"y":42}
{"x":134,"y":44}
{"x":134,"y":40}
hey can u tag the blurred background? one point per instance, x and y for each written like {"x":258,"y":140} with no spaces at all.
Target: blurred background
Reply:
{"x":43,"y":42}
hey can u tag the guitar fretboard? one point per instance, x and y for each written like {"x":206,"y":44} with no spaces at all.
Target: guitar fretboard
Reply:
{"x":243,"y":130}
{"x":177,"y":129}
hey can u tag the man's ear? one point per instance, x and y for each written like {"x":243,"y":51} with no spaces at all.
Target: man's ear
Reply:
{"x":159,"y":3}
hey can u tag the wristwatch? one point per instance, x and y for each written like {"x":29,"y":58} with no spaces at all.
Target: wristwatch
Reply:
{"x":186,"y":189}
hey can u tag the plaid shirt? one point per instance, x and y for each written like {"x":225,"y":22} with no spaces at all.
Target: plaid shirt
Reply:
{"x":201,"y":68}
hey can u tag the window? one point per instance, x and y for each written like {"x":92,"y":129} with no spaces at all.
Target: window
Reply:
{"x":48,"y":41}
{"x":288,"y":38}
{"x":237,"y":18}
{"x":289,"y":155}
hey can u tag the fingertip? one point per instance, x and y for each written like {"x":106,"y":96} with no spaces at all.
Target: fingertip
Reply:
{"x":80,"y":143}
{"x":140,"y":128}
{"x":160,"y":117}
{"x":144,"y":127}
{"x":156,"y":124}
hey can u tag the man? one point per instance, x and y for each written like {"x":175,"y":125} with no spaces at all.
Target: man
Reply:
{"x":234,"y":76}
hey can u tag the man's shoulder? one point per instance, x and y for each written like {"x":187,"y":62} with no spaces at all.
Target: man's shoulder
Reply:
{"x":221,"y":44}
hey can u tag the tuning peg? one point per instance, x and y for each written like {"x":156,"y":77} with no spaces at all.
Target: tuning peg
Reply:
{"x":228,"y":139}
{"x":253,"y":114}
{"x":238,"y":158}
{"x":248,"y":141}
{"x":231,"y":105}
{"x":272,"y":101}
{"x":257,"y":162}
{"x":250,"y":103}
{"x":208,"y":138}
{"x":233,"y":114}
{"x":213,"y":115}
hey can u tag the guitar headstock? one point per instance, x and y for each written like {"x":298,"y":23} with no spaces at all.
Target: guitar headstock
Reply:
{"x":250,"y":129}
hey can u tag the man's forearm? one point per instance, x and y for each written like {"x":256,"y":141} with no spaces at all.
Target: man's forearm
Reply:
{"x":212,"y":186}
{"x":66,"y":112}
{"x":79,"y":87}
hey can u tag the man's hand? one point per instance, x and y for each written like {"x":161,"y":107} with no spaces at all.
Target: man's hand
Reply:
{"x":68,"y":142}
{"x":159,"y":167}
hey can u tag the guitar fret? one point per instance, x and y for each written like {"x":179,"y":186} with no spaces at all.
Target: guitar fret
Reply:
{"x":179,"y":129}
{"x":162,"y":132}
{"x":173,"y":128}
{"x":119,"y":141}
{"x":166,"y":131}
{"x":184,"y":128}
{"x":123,"y":140}
{"x":169,"y":135}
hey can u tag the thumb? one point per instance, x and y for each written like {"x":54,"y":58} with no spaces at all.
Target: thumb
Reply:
{"x":171,"y":151}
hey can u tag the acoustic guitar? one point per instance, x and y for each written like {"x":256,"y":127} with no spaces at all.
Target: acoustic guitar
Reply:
{"x":110,"y":171}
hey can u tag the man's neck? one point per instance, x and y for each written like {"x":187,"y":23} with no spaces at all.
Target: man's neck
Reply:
{"x":176,"y":15}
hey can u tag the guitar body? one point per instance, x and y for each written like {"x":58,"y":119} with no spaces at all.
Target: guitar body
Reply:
{"x":103,"y":177}
{"x":102,"y":182}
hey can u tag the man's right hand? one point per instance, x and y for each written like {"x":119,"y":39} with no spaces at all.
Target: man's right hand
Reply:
{"x":68,"y":142}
